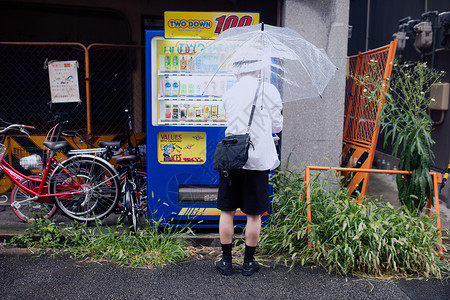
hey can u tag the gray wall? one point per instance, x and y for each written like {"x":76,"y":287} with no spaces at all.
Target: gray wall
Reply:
{"x":312,"y":133}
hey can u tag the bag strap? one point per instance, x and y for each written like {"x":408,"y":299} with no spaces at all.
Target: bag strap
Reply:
{"x":253,"y":106}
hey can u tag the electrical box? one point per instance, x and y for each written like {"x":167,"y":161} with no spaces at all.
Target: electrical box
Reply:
{"x":440,"y":94}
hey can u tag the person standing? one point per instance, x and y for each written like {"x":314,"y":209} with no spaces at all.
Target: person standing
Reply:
{"x":247,"y":189}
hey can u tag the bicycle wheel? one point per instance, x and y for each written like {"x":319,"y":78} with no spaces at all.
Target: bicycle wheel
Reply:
{"x":94,"y":180}
{"x":140,"y":213}
{"x":129,"y":201}
{"x":29,"y":210}
{"x":141,"y":186}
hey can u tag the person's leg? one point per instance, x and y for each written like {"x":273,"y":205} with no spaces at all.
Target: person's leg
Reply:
{"x":252,"y":230}
{"x":226,"y":227}
{"x":226,"y":232}
{"x":255,"y":202}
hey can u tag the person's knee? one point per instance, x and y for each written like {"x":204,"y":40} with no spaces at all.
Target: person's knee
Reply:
{"x":227,"y":214}
{"x":253,"y":218}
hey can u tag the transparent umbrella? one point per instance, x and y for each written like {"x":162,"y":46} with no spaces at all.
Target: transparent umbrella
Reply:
{"x":298,"y":68}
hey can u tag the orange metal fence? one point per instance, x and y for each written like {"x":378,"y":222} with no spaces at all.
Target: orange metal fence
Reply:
{"x":360,"y":115}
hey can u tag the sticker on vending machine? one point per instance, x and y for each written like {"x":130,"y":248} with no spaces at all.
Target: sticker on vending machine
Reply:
{"x":185,"y":147}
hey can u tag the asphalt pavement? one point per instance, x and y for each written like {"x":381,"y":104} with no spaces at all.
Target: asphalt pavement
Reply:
{"x":25,"y":276}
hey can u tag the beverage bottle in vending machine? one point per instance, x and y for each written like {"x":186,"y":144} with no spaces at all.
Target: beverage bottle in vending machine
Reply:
{"x":184,"y":86}
{"x":166,"y":86}
{"x":175,"y":87}
{"x":183,"y":59}
{"x":175,"y":60}
{"x":200,"y":88}
{"x":191,"y":86}
{"x":183,"y":113}
{"x":213,"y":90}
{"x":167,"y":111}
{"x":206,"y":112}
{"x":175,"y":112}
{"x":221,"y":113}
{"x":190,"y":57}
{"x":190,"y":113}
{"x":167,"y":60}
{"x":214,"y":112}
{"x":199,"y":112}
{"x":199,"y":62}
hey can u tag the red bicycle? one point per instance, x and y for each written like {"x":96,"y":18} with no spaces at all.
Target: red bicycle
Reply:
{"x":84,"y":187}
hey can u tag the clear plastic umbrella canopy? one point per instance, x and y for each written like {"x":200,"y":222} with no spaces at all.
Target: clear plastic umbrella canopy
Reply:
{"x":299,"y":69}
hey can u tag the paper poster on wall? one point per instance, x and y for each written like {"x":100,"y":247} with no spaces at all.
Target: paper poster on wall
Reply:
{"x":64,"y":81}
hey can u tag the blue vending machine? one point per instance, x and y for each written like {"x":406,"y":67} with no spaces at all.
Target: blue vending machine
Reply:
{"x":183,"y":128}
{"x":185,"y":120}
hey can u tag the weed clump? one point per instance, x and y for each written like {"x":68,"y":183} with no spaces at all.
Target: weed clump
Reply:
{"x":153,"y":245}
{"x":346,"y":237}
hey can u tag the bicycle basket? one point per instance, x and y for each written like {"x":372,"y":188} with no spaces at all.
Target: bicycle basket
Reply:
{"x":2,"y":150}
{"x":29,"y":158}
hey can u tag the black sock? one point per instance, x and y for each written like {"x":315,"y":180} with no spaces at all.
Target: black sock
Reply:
{"x":226,"y":251}
{"x":249,"y":252}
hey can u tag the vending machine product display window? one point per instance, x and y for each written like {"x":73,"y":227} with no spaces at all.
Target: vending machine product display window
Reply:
{"x":185,"y":99}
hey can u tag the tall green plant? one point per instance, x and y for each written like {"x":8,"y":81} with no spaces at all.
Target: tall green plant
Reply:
{"x":405,"y":121}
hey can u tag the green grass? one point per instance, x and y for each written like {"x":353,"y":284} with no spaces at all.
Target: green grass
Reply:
{"x":154,"y":245}
{"x":347,"y":238}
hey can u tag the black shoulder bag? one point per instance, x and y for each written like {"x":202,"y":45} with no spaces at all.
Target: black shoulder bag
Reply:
{"x":232,"y":152}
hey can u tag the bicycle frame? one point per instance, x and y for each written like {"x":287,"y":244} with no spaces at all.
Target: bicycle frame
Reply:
{"x":39,"y":195}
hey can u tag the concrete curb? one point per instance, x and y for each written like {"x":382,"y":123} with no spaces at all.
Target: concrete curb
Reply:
{"x":17,"y":251}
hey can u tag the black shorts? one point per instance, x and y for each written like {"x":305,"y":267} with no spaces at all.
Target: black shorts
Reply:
{"x":244,"y":189}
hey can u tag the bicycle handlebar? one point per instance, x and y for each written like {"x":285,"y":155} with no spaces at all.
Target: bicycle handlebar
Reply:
{"x":16,"y":127}
{"x":57,"y":120}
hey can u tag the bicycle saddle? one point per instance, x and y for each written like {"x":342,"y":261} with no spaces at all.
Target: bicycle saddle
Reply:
{"x":110,"y":145}
{"x":55,"y":146}
{"x":126,"y":158}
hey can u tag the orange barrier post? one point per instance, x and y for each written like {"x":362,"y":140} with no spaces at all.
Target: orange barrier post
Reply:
{"x":308,"y":196}
{"x":434,"y":175}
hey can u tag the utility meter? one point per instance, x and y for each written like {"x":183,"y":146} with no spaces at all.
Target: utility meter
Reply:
{"x":424,"y":34}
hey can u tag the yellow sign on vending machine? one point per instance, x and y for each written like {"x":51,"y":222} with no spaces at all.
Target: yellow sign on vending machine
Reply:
{"x":181,"y":147}
{"x":204,"y":25}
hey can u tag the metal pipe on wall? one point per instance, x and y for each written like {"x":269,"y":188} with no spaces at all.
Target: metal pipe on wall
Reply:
{"x":367,"y":25}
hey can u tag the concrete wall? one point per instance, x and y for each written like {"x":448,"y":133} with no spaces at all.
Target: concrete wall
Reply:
{"x":313,"y":128}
